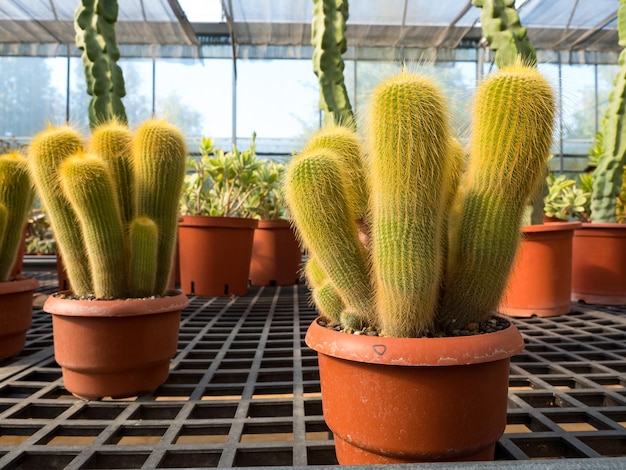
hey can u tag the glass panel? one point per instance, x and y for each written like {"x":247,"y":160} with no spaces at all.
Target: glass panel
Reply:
{"x":276,"y":98}
{"x":31,"y":95}
{"x":196,"y":96}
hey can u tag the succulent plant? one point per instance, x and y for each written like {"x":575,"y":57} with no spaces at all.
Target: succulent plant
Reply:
{"x":442,"y":241}
{"x":94,"y":22}
{"x":16,"y":198}
{"x":111,"y":250}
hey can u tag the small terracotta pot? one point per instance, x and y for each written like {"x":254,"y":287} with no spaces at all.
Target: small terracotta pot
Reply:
{"x":599,"y":264}
{"x":16,"y":314}
{"x":214,"y":254}
{"x":115,"y":348}
{"x":276,"y":255}
{"x":404,"y":400}
{"x":541,"y":280}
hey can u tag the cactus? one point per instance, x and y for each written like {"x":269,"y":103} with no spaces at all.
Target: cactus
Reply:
{"x":122,"y":258}
{"x":47,"y":151}
{"x":112,"y":141}
{"x":443,"y":234}
{"x":407,"y":177}
{"x":329,"y":42}
{"x":94,"y":23}
{"x":316,"y":194}
{"x":607,"y":177}
{"x":16,"y":198}
{"x":89,"y":187}
{"x":344,"y":141}
{"x":160,"y":158}
{"x":504,"y":32}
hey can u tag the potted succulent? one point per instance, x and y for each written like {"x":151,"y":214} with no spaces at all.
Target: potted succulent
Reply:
{"x":216,"y":229}
{"x":276,"y":255}
{"x":114,"y":210}
{"x":541,"y":280}
{"x":413,"y":362}
{"x":599,"y":250}
{"x":16,"y":292}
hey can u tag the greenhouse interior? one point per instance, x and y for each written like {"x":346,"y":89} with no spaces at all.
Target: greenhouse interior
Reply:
{"x":235,"y":94}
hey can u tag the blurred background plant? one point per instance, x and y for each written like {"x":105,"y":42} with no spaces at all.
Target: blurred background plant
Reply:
{"x":566,"y":201}
{"x":39,"y":235}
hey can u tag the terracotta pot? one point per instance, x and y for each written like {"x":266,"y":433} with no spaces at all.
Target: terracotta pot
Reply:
{"x":18,"y":266}
{"x":115,"y":348}
{"x":16,"y":314}
{"x":214,"y":254}
{"x":541,"y":280}
{"x":276,"y":255}
{"x":403,"y":400}
{"x":599,"y":264}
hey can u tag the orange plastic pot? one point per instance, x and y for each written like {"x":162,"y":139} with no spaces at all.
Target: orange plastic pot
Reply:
{"x":276,"y":256}
{"x":599,"y":264}
{"x":115,"y":348}
{"x":541,"y":280}
{"x":16,"y":314}
{"x":405,"y":400}
{"x":214,"y":254}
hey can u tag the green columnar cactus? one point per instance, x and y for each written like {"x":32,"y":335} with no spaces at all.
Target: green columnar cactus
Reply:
{"x":82,"y":190}
{"x":88,"y":185}
{"x":508,"y":156}
{"x":160,"y":159}
{"x":316,"y":194}
{"x":94,"y":23}
{"x":112,"y":141}
{"x":505,"y":34}
{"x":344,"y":141}
{"x":323,"y":292}
{"x":144,"y":247}
{"x":16,"y":198}
{"x":329,"y":42}
{"x":410,"y":135}
{"x":443,"y":234}
{"x":47,"y":152}
{"x":607,"y":177}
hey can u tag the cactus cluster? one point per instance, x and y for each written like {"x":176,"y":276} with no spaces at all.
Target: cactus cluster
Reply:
{"x":441,"y":232}
{"x":16,"y":198}
{"x":113,"y":204}
{"x":94,"y":23}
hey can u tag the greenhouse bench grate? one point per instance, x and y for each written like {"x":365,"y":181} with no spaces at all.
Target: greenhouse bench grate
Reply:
{"x":244,"y":392}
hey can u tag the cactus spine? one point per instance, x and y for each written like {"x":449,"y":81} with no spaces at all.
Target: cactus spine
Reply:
{"x":508,"y":156}
{"x":443,"y":233}
{"x":94,"y":23}
{"x":316,"y":194}
{"x":607,"y":177}
{"x":82,"y":195}
{"x":505,"y":34}
{"x":48,"y":150}
{"x":16,"y":198}
{"x":329,"y":42}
